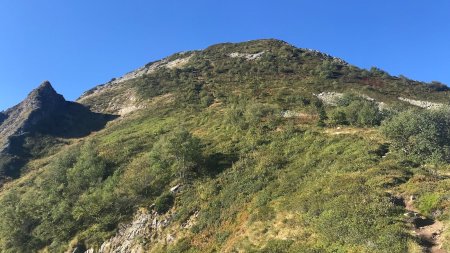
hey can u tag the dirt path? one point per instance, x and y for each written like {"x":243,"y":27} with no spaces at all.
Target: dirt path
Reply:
{"x":427,"y":230}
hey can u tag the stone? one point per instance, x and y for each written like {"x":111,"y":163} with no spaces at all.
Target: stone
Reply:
{"x":175,"y":188}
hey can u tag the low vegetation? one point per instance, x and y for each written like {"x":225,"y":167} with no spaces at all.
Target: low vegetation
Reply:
{"x":257,"y":178}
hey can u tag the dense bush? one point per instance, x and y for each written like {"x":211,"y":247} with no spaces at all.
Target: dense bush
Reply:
{"x":356,"y":111}
{"x":421,"y":135}
{"x":164,"y":202}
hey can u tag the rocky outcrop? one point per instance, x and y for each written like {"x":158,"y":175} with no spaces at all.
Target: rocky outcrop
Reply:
{"x":147,"y":227}
{"x":121,"y":96}
{"x":43,"y":112}
{"x":150,"y":68}
{"x":22,"y":118}
{"x":249,"y":57}
{"x":47,"y":112}
{"x":330,"y":98}
{"x":293,"y":114}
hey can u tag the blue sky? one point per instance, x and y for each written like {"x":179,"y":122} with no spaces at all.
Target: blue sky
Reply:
{"x":77,"y":44}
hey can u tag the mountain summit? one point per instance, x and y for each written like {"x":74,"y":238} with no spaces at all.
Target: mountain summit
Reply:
{"x":241,"y":147}
{"x":45,"y":92}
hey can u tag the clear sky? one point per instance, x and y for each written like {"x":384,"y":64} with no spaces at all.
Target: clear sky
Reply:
{"x":77,"y":44}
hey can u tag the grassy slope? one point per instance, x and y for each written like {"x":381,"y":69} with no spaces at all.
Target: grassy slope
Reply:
{"x":268,"y":183}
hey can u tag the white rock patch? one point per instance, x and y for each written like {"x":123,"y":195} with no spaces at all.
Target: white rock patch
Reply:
{"x":422,"y":104}
{"x":291,"y":114}
{"x":128,"y":109}
{"x":330,"y":98}
{"x":246,"y":56}
{"x":177,"y":63}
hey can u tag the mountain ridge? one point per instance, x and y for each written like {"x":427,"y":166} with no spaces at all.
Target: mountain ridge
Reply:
{"x":241,"y":147}
{"x":125,"y":95}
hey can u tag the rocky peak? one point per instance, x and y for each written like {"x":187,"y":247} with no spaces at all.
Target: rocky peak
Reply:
{"x":40,"y":103}
{"x":45,"y":88}
{"x":43,"y":96}
{"x":43,"y":112}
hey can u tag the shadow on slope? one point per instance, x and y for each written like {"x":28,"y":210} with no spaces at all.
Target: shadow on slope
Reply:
{"x":44,"y":134}
{"x":72,"y":121}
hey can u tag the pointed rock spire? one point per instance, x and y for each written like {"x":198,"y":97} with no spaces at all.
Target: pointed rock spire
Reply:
{"x":44,"y":94}
{"x":45,"y":85}
{"x":44,"y":89}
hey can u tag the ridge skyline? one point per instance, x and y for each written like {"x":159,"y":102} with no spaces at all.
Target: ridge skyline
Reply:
{"x":79,"y":45}
{"x":75,"y":96}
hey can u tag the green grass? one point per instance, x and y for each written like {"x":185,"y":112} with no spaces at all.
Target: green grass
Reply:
{"x":262,"y":183}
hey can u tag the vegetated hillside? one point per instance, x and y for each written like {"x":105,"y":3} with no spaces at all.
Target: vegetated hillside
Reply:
{"x":248,"y":147}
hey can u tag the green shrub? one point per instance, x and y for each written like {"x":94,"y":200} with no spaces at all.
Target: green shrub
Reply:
{"x":182,"y":246}
{"x":356,"y":111}
{"x":369,"y":115}
{"x":422,"y":135}
{"x":164,"y":202}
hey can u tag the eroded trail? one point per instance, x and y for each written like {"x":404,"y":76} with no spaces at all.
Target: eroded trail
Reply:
{"x":427,"y":230}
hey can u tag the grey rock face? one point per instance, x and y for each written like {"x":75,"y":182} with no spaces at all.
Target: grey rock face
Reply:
{"x":146,"y":227}
{"x":21,"y":118}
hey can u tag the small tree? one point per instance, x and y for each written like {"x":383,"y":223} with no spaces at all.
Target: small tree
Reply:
{"x":181,"y":151}
{"x":321,"y":112}
{"x":369,"y":114}
{"x":358,"y":112}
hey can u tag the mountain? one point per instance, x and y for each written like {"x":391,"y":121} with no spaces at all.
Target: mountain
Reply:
{"x":22,"y":117}
{"x":241,"y":147}
{"x":43,"y":114}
